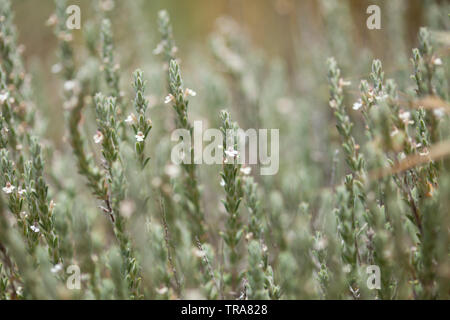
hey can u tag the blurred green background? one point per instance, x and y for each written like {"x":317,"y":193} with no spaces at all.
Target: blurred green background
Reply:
{"x":272,"y":24}
{"x":300,"y":34}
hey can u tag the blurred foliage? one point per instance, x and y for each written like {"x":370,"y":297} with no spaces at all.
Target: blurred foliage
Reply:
{"x":87,"y":178}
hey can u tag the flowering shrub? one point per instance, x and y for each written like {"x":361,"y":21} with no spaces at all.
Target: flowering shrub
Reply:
{"x":357,"y":210}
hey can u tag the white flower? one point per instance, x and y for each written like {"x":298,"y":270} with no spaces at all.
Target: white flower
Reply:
{"x":405,"y":116}
{"x":56,"y":68}
{"x":9,"y":188}
{"x":285,"y":105}
{"x":130,"y":119}
{"x":437,"y":62}
{"x":159,"y":48}
{"x":69,"y":85}
{"x":4,"y":96}
{"x":264,"y":248}
{"x":439,"y":113}
{"x":98,"y":137}
{"x":347,"y":268}
{"x":140,"y":136}
{"x":199,"y":253}
{"x":56,"y":268}
{"x":222,"y":183}
{"x":71,"y":103}
{"x":172,"y":170}
{"x":162,"y":290}
{"x":344,"y":83}
{"x":189,"y":92}
{"x":35,"y":229}
{"x":424,"y":153}
{"x":246,"y":170}
{"x":357,"y":105}
{"x":333,"y":104}
{"x":230,"y":152}
{"x":394,"y":132}
{"x":370,"y":95}
{"x":51,"y":205}
{"x":321,"y":244}
{"x":22,"y":191}
{"x":107,"y":5}
{"x":381,"y":97}
{"x":51,"y":21}
{"x":169,"y":98}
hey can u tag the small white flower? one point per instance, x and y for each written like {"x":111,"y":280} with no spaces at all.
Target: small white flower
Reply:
{"x":56,"y":68}
{"x":98,"y":137}
{"x":437,"y":62}
{"x":64,"y":36}
{"x":107,"y":5}
{"x":199,"y":253}
{"x":130,"y":119}
{"x":162,"y":290}
{"x":321,"y":244}
{"x":347,"y":268}
{"x":230,"y":152}
{"x":35,"y":229}
{"x":159,"y":48}
{"x":169,"y":98}
{"x":172,"y":170}
{"x":246,"y":170}
{"x":439,"y":113}
{"x":357,"y":105}
{"x":71,"y":103}
{"x":424,"y":153}
{"x":9,"y":188}
{"x":69,"y":85}
{"x":52,"y":20}
{"x":140,"y":136}
{"x":344,"y":83}
{"x":4,"y":96}
{"x":56,"y":268}
{"x":370,"y":95}
{"x":22,"y":191}
{"x":333,"y":104}
{"x":405,"y":116}
{"x":51,"y":205}
{"x":222,"y":183}
{"x":189,"y":92}
{"x":394,"y":132}
{"x":264,"y":248}
{"x":127,"y":208}
{"x":285,"y":105}
{"x":381,"y":97}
